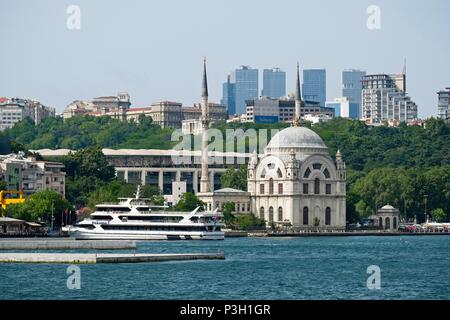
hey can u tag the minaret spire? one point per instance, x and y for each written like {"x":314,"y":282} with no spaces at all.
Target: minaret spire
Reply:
{"x":204,"y":180}
{"x":205,"y":80}
{"x":298,"y":99}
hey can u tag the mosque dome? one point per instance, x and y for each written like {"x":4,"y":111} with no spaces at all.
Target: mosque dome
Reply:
{"x":296,"y":139}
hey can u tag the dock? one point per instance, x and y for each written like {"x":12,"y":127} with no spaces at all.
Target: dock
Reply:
{"x":66,"y":244}
{"x":92,"y":258}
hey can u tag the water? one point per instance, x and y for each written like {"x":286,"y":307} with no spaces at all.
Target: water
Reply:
{"x":255,"y":268}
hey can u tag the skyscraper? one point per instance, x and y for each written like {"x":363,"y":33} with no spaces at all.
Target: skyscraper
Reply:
{"x":352,"y":86}
{"x":314,"y":85}
{"x":229,"y":96}
{"x":274,"y":83}
{"x":246,"y":82}
{"x":384,"y":99}
{"x":444,"y":104}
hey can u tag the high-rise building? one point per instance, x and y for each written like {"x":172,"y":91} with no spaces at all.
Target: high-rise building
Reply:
{"x":229,"y":96}
{"x":314,"y":85}
{"x":246,"y":81}
{"x":274,"y":83}
{"x":444,"y":104}
{"x":352,"y":86}
{"x":384,"y":98}
{"x":344,"y":108}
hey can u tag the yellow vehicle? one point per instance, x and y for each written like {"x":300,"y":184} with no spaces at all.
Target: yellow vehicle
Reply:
{"x":6,"y":199}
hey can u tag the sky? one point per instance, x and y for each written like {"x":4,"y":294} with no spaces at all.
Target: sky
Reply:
{"x":154,"y":49}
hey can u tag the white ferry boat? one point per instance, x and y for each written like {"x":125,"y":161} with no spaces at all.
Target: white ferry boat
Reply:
{"x":134,"y":219}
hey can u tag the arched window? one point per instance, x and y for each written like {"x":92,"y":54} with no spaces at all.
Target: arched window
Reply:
{"x":388,"y":223}
{"x":280,"y":214}
{"x":307,"y":173}
{"x":263,"y":173}
{"x":394,"y":223}
{"x":261,"y":188}
{"x":305,"y":216}
{"x":280,"y":188}
{"x":271,"y":214}
{"x":261,"y":213}
{"x":271,"y":186}
{"x":280,"y":175}
{"x":326,"y":173}
{"x":317,"y":186}
{"x":328,"y":216}
{"x":380,"y":222}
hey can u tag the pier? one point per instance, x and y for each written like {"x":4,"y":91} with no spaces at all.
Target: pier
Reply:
{"x":92,"y":258}
{"x":66,"y":244}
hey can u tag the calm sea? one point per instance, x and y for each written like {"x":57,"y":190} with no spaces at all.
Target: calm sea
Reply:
{"x":255,"y":268}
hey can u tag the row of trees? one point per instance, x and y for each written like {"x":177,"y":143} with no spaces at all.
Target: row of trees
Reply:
{"x":84,"y":131}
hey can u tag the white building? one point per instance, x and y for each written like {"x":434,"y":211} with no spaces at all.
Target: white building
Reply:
{"x":15,"y":109}
{"x":31,"y":176}
{"x":297,"y":181}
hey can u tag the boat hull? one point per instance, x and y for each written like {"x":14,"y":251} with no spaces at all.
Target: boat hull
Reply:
{"x":105,"y":235}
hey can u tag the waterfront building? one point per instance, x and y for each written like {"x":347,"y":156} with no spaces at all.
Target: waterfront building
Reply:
{"x":16,"y":109}
{"x":314,"y":85}
{"x":218,"y":199}
{"x":444,"y":104}
{"x":386,"y":218}
{"x":352,"y":87}
{"x":344,"y":108}
{"x":229,"y":96}
{"x":246,"y":87}
{"x":384,"y":99}
{"x":274,"y":83}
{"x":30,"y":176}
{"x":15,"y":227}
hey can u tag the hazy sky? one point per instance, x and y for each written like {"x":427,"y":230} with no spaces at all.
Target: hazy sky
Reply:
{"x":154,"y":49}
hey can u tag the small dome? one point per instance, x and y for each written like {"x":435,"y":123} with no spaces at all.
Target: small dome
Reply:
{"x":388,"y":207}
{"x":296,"y":137}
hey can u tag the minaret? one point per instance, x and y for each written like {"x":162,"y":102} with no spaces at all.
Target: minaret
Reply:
{"x":298,"y":100}
{"x":204,"y":180}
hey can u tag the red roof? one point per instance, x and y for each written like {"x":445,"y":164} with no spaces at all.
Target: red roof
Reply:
{"x":3,"y":99}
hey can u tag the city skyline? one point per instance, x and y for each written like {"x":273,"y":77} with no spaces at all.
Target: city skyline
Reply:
{"x":82,"y":64}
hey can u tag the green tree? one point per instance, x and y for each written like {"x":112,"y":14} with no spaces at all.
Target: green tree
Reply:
{"x":39,"y":207}
{"x":227,"y":211}
{"x":189,"y":202}
{"x":235,"y":178}
{"x":438,"y":215}
{"x":89,"y":162}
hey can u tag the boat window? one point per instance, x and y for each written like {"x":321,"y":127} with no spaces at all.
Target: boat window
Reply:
{"x":101,"y":217}
{"x":113,"y":209}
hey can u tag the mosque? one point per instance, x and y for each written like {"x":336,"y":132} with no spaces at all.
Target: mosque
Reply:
{"x":294,"y":183}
